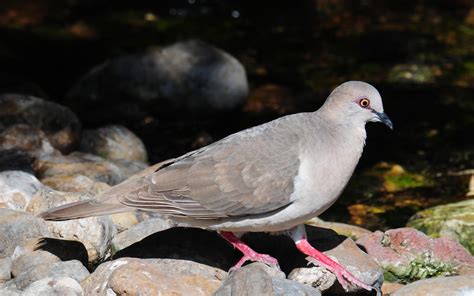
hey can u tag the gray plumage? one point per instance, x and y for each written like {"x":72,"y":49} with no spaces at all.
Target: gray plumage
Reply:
{"x":267,"y":178}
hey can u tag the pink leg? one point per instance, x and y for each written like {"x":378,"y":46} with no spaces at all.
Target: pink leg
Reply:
{"x":343,"y":275}
{"x":249,"y":254}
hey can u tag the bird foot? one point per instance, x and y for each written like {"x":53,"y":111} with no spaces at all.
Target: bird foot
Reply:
{"x":249,"y":253}
{"x":344,"y":277}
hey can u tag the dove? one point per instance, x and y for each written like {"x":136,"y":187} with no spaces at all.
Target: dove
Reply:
{"x":268,"y":178}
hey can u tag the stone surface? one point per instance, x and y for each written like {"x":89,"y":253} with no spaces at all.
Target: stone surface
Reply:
{"x":18,"y":229}
{"x":455,"y":220}
{"x":75,"y":183}
{"x":316,"y":277}
{"x":389,"y":288}
{"x":352,"y":231}
{"x":89,"y":165}
{"x":73,"y":269}
{"x":189,"y":76}
{"x":407,"y":254}
{"x":26,"y":138}
{"x":95,"y":233}
{"x":259,"y":279}
{"x":54,"y":286}
{"x":453,"y":286}
{"x":47,"y":198}
{"x":5,"y":269}
{"x":61,"y":125}
{"x":139,"y":232}
{"x":348,"y":254}
{"x":131,"y":276}
{"x":17,"y":189}
{"x":28,"y":260}
{"x":113,"y":142}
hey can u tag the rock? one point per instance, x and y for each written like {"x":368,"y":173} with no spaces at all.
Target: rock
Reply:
{"x":18,"y":229}
{"x":26,"y":138}
{"x":75,"y":183}
{"x":407,"y":254}
{"x":73,"y":269}
{"x":347,"y":253}
{"x":17,"y":188}
{"x":95,"y":233}
{"x":455,"y":285}
{"x":453,"y":220}
{"x":52,"y":286}
{"x":139,"y":232}
{"x":113,"y":142}
{"x":47,"y":198}
{"x":131,"y":276}
{"x":352,"y":231}
{"x":189,"y":76}
{"x":389,"y":288}
{"x":61,"y":125}
{"x":124,"y":221}
{"x":259,"y":279}
{"x":91,"y":166}
{"x":28,"y":260}
{"x":5,"y":269}
{"x":316,"y":277}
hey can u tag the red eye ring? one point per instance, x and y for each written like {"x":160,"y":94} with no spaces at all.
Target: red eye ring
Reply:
{"x":364,"y":103}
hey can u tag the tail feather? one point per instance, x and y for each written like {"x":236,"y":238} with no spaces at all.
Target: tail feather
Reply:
{"x":82,"y":209}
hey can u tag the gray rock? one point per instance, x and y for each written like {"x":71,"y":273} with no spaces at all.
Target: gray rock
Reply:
{"x":259,"y":279}
{"x":19,"y":229}
{"x":113,"y":142}
{"x":316,"y":277}
{"x":75,"y":183}
{"x":131,"y":276}
{"x":95,"y":233}
{"x":89,"y":165}
{"x":17,"y":188}
{"x":5,"y":269}
{"x":453,"y":286}
{"x":73,"y":269}
{"x":24,"y":262}
{"x":26,"y":138}
{"x":52,"y":286}
{"x":452,"y":220}
{"x":139,"y":232}
{"x":61,"y":125}
{"x":186,"y":76}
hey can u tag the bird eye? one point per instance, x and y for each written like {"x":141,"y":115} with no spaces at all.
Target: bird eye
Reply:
{"x":364,"y":103}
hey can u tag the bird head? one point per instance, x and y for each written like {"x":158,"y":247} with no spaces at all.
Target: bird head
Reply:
{"x":358,"y":101}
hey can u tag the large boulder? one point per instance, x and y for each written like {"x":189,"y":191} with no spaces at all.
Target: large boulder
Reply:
{"x":190,"y":76}
{"x":61,"y":125}
{"x":455,"y":285}
{"x":455,"y":220}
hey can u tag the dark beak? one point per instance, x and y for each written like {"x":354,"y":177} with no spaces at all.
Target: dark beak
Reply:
{"x":384,"y":118}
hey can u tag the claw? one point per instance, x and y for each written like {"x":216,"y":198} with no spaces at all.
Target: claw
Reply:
{"x":249,"y":254}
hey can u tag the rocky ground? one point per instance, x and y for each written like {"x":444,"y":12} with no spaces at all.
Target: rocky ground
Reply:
{"x":47,"y":159}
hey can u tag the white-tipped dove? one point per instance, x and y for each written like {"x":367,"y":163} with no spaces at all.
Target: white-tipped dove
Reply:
{"x":269,"y":178}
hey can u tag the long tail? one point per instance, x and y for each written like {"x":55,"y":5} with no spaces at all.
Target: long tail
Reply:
{"x":82,"y":209}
